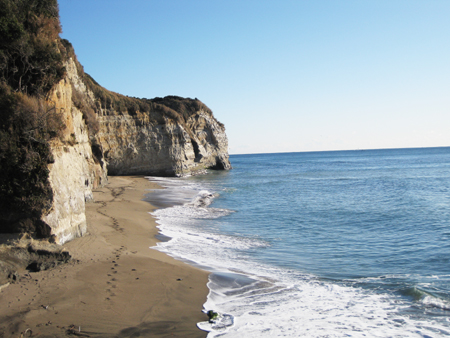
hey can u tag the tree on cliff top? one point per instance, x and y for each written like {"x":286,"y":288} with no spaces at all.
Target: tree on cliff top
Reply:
{"x":30,"y":60}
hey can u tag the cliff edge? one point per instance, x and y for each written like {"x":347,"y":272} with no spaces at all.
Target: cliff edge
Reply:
{"x":62,"y":133}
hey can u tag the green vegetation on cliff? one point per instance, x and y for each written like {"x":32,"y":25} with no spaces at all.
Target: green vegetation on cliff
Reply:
{"x":32,"y":61}
{"x":30,"y":64}
{"x":157,"y":110}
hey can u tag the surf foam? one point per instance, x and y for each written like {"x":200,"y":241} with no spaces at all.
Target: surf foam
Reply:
{"x":268,"y":301}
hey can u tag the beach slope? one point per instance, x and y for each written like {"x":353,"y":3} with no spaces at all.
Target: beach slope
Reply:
{"x":115,"y":286}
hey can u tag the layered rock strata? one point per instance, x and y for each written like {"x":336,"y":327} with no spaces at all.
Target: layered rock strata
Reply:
{"x":132,"y":146}
{"x":75,"y":171}
{"x":124,"y":144}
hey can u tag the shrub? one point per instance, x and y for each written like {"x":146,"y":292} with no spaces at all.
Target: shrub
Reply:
{"x":30,"y":61}
{"x":185,"y":107}
{"x":87,"y":110}
{"x":27,"y":125}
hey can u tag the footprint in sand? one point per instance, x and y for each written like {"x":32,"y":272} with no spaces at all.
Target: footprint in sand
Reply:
{"x":111,"y":294}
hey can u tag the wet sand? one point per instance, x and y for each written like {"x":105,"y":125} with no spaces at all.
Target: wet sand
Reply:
{"x":115,"y":285}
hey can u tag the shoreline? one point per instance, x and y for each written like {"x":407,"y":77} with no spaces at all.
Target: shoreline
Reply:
{"x":115,"y":285}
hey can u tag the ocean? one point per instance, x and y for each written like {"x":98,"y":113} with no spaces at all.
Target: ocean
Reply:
{"x":318,"y":244}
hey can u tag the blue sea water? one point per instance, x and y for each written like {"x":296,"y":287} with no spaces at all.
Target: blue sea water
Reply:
{"x":319,"y":244}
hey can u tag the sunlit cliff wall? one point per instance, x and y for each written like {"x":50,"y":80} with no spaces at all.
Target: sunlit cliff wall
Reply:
{"x":123,"y":144}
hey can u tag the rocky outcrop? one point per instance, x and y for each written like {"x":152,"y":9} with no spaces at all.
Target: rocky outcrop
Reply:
{"x":210,"y":140}
{"x":25,"y":253}
{"x":75,"y":171}
{"x":132,"y":145}
{"x":146,"y":143}
{"x":62,"y":133}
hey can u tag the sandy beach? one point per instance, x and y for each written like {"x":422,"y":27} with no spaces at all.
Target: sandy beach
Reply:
{"x":115,"y":286}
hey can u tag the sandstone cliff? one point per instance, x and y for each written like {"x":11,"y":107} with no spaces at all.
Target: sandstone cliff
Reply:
{"x":135,"y":145}
{"x":75,"y":171}
{"x":62,"y":133}
{"x":147,"y":143}
{"x":156,"y":143}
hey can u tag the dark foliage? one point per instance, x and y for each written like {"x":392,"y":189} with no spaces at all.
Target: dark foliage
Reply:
{"x":27,"y":124}
{"x":30,"y":60}
{"x":185,"y":107}
{"x":172,"y":107}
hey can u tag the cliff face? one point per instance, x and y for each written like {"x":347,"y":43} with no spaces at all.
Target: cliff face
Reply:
{"x":159,"y":144}
{"x":134,"y":145}
{"x":75,"y":171}
{"x":61,"y":133}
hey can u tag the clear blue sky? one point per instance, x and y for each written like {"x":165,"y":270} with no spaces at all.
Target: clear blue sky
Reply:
{"x":281,"y":75}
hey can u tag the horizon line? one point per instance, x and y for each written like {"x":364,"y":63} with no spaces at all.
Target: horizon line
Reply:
{"x":336,"y":150}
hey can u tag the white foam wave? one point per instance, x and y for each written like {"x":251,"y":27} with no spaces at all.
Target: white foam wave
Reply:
{"x":188,"y":212}
{"x":203,"y":199}
{"x":306,"y":308}
{"x":268,"y":301}
{"x":436,"y":302}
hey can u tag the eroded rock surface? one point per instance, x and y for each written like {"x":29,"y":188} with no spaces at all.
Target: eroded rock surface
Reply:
{"x":26,"y":255}
{"x":161,"y":142}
